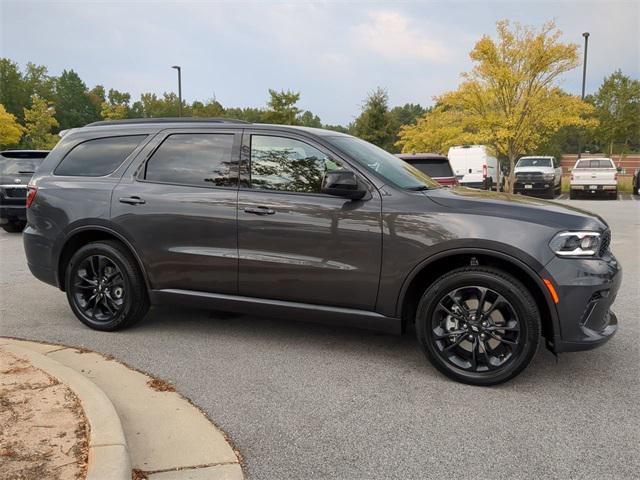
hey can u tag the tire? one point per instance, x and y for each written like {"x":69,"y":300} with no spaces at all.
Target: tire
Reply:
{"x":14,"y":226}
{"x":551,"y":192}
{"x":517,"y":313}
{"x":121,"y":302}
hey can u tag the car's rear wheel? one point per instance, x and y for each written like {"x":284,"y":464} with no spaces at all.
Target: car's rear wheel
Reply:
{"x":105,"y":287}
{"x":478,"y":325}
{"x":14,"y":226}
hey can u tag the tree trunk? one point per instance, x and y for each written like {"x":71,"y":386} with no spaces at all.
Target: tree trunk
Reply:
{"x":512,"y":175}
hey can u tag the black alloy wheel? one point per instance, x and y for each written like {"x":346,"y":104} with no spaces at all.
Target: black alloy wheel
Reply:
{"x":105,"y":287}
{"x":478,"y":325}
{"x":99,"y":288}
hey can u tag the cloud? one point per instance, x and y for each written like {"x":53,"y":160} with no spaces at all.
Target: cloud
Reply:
{"x":392,"y":36}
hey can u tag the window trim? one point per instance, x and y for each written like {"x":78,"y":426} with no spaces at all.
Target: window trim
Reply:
{"x":132,"y":154}
{"x":244,"y":180}
{"x":141,"y":169}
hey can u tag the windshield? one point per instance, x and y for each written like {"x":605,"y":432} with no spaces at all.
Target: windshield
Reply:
{"x":534,"y":162}
{"x":391,"y":168}
{"x":17,"y":166}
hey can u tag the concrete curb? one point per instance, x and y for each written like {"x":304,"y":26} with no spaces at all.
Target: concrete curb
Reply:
{"x":108,"y":452}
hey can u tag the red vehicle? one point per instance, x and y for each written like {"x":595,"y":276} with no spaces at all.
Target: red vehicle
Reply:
{"x":434,"y":165}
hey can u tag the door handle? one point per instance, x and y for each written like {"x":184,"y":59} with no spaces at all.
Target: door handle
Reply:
{"x":133,"y":200}
{"x":260,"y":210}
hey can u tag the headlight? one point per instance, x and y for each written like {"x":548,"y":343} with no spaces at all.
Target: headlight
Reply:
{"x":576,"y":244}
{"x":548,"y":176}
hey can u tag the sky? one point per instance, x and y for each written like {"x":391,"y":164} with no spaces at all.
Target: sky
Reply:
{"x":332,"y":52}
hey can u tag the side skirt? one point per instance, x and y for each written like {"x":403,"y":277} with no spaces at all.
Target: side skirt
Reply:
{"x":304,"y":312}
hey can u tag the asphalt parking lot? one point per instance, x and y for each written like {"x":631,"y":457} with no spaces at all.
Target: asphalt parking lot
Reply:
{"x":310,"y":401}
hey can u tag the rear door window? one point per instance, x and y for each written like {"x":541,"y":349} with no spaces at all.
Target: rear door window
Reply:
{"x":98,"y":157}
{"x":198,"y":159}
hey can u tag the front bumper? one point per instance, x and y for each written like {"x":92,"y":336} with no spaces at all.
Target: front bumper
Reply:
{"x":529,"y":187}
{"x":587,"y":288}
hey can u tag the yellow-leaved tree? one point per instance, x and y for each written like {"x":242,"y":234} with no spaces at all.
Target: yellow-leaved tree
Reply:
{"x":39,"y":121}
{"x":509,"y":101}
{"x":10,"y":130}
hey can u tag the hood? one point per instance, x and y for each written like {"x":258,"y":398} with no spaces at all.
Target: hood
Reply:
{"x":518,"y":207}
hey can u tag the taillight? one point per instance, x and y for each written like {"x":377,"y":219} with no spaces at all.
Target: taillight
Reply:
{"x":572,"y":177}
{"x":484,"y":171}
{"x":31,"y":195}
{"x":615,"y":176}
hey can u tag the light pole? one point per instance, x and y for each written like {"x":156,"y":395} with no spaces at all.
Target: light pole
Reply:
{"x":177,"y":67}
{"x":584,"y":78}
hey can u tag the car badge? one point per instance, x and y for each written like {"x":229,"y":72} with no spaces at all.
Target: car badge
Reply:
{"x":17,"y":180}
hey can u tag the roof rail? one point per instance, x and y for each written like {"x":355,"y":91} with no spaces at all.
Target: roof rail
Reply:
{"x":134,"y":121}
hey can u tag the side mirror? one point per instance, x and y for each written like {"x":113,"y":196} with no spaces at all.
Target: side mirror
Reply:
{"x":342,"y":183}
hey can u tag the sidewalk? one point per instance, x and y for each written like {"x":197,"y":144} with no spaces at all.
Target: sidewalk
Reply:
{"x":146,"y":427}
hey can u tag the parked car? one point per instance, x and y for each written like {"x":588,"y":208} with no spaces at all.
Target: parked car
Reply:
{"x":474,"y":167}
{"x":636,"y":182}
{"x":314,"y":225}
{"x":594,"y":176}
{"x":16,"y":168}
{"x":432,"y":164}
{"x":538,"y":175}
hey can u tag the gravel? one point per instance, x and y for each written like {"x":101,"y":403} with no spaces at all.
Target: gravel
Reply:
{"x":309,"y":401}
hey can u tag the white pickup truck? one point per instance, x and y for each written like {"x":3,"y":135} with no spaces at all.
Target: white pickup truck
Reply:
{"x":593,"y":176}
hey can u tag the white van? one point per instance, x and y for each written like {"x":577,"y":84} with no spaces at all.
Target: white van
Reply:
{"x":474,"y":167}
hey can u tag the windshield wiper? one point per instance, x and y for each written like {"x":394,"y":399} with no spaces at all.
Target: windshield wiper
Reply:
{"x":419,"y":188}
{"x":26,"y":171}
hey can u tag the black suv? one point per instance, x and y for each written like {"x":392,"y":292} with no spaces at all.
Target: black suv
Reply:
{"x":318,"y":226}
{"x":16,"y":169}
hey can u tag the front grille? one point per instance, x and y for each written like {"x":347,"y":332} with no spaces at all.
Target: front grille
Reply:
{"x":605,"y":241}
{"x":529,"y":177}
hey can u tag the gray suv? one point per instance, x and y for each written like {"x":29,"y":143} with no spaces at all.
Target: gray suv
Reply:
{"x":314,"y":225}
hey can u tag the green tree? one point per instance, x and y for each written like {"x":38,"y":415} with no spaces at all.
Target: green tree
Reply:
{"x":617,"y":108}
{"x":308,"y":119}
{"x":509,"y":100}
{"x":152,"y":106}
{"x":13,"y":93}
{"x":375,"y":123}
{"x":10,"y":130}
{"x":37,"y":81}
{"x":212,"y":108}
{"x":281,"y":107}
{"x":72,"y":102}
{"x":116,"y":106}
{"x":407,"y":114}
{"x":39,"y":122}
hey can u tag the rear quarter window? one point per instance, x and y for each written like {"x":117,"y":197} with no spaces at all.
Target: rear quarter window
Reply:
{"x":98,"y":157}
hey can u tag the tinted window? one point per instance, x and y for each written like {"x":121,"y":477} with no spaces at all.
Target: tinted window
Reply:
{"x":433,"y":168}
{"x":389,"y":167}
{"x":17,"y":166}
{"x":595,"y":164}
{"x":201,"y":159}
{"x":95,"y":158}
{"x":534,"y":162}
{"x":285,"y":164}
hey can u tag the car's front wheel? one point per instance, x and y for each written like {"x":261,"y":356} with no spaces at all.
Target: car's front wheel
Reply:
{"x":478,"y":325}
{"x":105,"y":287}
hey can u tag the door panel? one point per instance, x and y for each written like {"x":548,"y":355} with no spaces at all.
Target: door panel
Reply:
{"x":185,"y":234}
{"x":307,"y":247}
